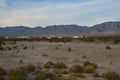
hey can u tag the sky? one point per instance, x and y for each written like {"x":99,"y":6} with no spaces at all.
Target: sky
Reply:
{"x":43,"y":13}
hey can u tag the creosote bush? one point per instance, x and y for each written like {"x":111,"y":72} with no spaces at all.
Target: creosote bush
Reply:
{"x":2,"y":78}
{"x":2,"y":72}
{"x":95,"y":74}
{"x":49,"y":64}
{"x":110,"y":75}
{"x":17,"y":74}
{"x":90,"y":63}
{"x":89,"y":69}
{"x":69,"y":49}
{"x":1,"y":47}
{"x":57,"y":71}
{"x":76,"y":69}
{"x":65,"y":72}
{"x":60,"y":65}
{"x":61,"y":78}
{"x":46,"y":76}
{"x":25,"y":47}
{"x":29,"y":68}
{"x":75,"y":76}
{"x":108,"y":47}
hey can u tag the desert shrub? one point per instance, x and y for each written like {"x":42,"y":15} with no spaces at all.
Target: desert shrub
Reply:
{"x":2,"y":72}
{"x":49,"y":64}
{"x":2,"y":78}
{"x":36,"y":72}
{"x":69,"y":49}
{"x":76,"y":69}
{"x":60,"y":65}
{"x":25,"y":47}
{"x":1,"y":47}
{"x":84,"y":56}
{"x":46,"y":76}
{"x":9,"y":48}
{"x":57,"y":71}
{"x":75,"y":76}
{"x":86,"y":63}
{"x":111,"y":62}
{"x":39,"y":67}
{"x":56,"y":48}
{"x":15,"y":47}
{"x":44,"y":55}
{"x":89,"y":69}
{"x":65,"y":72}
{"x":110,"y":75}
{"x":95,"y":74}
{"x":17,"y":74}
{"x":108,"y":47}
{"x":29,"y":68}
{"x":61,"y":78}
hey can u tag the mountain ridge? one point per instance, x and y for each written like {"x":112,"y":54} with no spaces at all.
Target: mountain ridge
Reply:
{"x":106,"y":28}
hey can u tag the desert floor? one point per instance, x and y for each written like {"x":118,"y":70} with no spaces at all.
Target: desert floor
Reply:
{"x":40,"y":52}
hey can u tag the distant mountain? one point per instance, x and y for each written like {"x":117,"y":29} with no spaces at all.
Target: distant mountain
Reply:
{"x":107,"y":28}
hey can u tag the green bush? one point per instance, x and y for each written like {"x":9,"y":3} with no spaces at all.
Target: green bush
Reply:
{"x":76,"y":69}
{"x":17,"y":74}
{"x":49,"y":64}
{"x":90,"y":63}
{"x":110,"y":75}
{"x":60,"y":65}
{"x":2,"y":72}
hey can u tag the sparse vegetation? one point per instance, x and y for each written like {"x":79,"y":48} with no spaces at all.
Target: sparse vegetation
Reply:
{"x":2,"y":78}
{"x":89,"y":69}
{"x":29,"y":68}
{"x":95,"y":74}
{"x":65,"y":72}
{"x":44,"y":55}
{"x":2,"y":72}
{"x":110,"y":75}
{"x":60,"y":65}
{"x":55,"y":70}
{"x":17,"y":74}
{"x":46,"y":76}
{"x":76,"y":69}
{"x":86,"y":63}
{"x":108,"y":47}
{"x":25,"y":47}
{"x":49,"y":64}
{"x":69,"y":49}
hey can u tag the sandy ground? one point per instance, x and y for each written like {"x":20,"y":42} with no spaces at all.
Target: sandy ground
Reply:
{"x":41,"y":52}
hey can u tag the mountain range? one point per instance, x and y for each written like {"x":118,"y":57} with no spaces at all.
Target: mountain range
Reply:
{"x":106,"y":28}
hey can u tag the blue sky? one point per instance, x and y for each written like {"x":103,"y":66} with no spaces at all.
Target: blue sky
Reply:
{"x":54,"y":12}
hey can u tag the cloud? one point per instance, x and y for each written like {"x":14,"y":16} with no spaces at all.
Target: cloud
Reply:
{"x":50,"y":12}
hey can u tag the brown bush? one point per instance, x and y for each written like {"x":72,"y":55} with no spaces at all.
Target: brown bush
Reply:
{"x":89,"y":69}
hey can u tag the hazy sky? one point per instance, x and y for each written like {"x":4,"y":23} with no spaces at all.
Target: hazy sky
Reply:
{"x":54,"y":12}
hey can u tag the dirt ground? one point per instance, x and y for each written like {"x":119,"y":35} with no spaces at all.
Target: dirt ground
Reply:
{"x":41,"y":52}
